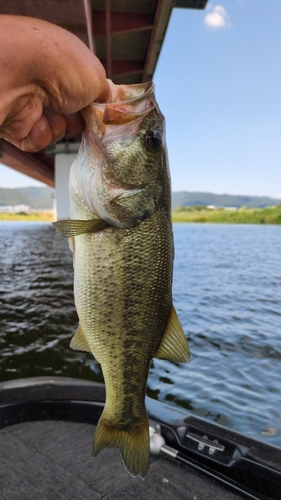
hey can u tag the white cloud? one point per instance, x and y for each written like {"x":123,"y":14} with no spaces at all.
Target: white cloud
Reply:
{"x":218,"y":18}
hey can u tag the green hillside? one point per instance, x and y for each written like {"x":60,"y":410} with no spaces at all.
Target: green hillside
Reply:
{"x":34,"y":197}
{"x":12,"y":197}
{"x":42,"y":197}
{"x":188,"y":199}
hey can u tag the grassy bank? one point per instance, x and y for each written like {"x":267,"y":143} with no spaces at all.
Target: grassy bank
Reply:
{"x":244,"y":215}
{"x":268,"y":215}
{"x":31,"y":216}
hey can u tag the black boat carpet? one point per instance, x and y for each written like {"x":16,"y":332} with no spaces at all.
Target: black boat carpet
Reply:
{"x":52,"y":460}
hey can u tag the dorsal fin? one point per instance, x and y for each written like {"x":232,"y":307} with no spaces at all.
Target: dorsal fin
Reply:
{"x":173,"y":345}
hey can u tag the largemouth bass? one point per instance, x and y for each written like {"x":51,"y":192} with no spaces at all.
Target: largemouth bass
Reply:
{"x":121,"y":236}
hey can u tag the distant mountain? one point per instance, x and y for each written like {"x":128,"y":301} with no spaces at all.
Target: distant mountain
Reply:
{"x":42,"y":197}
{"x":188,"y":199}
{"x":34,"y":197}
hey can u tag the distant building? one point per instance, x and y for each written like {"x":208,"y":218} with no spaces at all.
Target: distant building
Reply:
{"x":211,"y":207}
{"x":6,"y":208}
{"x":230,"y":208}
{"x":14,"y":209}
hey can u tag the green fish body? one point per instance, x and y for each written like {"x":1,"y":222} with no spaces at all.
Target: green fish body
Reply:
{"x":122,"y":243}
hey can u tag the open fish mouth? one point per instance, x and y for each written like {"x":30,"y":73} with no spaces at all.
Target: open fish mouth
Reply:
{"x":132,"y":94}
{"x":132,"y":102}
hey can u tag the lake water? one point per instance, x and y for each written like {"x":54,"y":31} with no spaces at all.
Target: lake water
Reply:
{"x":227,"y":291}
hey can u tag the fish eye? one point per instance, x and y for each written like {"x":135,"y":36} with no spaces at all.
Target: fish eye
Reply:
{"x":154,"y":139}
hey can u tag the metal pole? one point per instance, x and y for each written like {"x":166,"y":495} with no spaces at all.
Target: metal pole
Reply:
{"x":108,"y":37}
{"x":88,"y":15}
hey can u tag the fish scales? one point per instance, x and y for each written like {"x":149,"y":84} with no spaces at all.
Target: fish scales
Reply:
{"x":129,"y":274}
{"x":122,"y":243}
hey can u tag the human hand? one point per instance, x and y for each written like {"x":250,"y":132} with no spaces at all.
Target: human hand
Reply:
{"x":47,"y":76}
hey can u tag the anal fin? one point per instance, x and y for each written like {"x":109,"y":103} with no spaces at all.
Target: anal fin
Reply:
{"x":173,"y":345}
{"x":79,"y":341}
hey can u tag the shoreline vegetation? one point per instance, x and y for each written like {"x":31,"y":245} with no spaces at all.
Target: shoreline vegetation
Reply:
{"x":243,"y":215}
{"x":34,"y":216}
{"x":201,"y":214}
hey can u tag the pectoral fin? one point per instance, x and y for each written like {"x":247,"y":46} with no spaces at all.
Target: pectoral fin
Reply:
{"x":79,"y":341}
{"x":70,"y":227}
{"x":173,"y":345}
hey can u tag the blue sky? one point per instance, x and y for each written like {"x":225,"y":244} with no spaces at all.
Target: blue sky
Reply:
{"x":219,"y":87}
{"x":218,"y":83}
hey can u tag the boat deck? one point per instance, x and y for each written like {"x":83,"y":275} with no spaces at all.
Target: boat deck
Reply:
{"x":52,"y":459}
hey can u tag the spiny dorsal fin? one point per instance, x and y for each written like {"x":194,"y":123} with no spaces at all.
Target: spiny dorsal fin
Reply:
{"x":79,"y":342}
{"x":173,"y":345}
{"x":70,"y":227}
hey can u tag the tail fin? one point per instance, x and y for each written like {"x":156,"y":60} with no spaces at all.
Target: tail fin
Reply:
{"x":133,"y":443}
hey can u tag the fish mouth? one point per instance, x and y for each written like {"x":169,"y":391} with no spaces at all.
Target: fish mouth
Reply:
{"x":132,"y":102}
{"x":132,"y":94}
